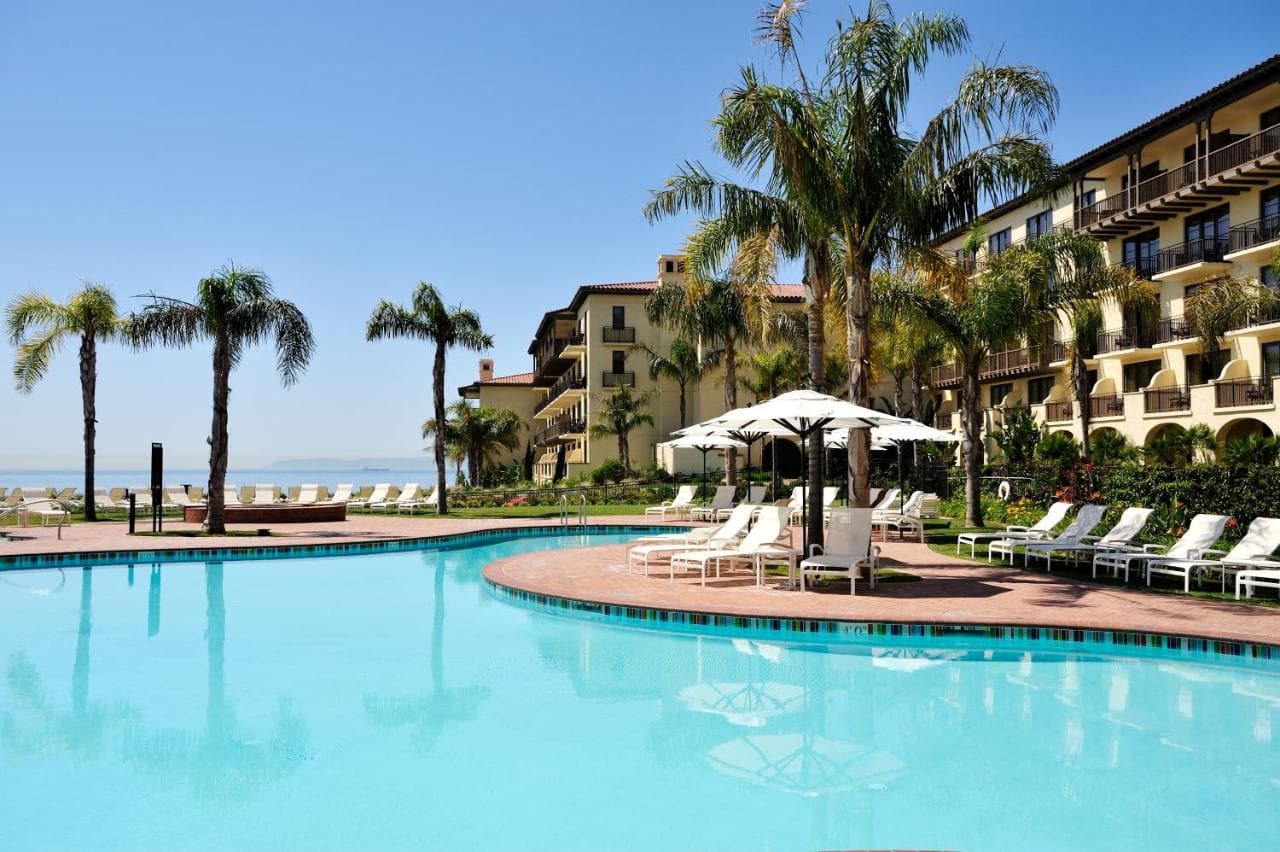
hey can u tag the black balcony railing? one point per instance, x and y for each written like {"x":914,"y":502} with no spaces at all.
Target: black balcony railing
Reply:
{"x":943,"y":422}
{"x":1173,"y":328}
{"x":1125,"y":338}
{"x":619,"y":334}
{"x":617,"y":380}
{"x":1255,"y":390}
{"x":557,"y":428}
{"x":567,"y":382}
{"x":1158,"y":400}
{"x":1208,"y":250}
{"x":1059,"y":411}
{"x":1165,"y":183}
{"x":575,"y":338}
{"x":1106,"y":405}
{"x":1143,"y":267}
{"x":1103,"y":209}
{"x":945,"y":375}
{"x":1011,"y":362}
{"x":1255,"y":233}
{"x":1238,"y":153}
{"x":1264,"y":316}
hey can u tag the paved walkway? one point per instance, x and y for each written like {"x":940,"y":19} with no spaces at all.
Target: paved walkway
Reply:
{"x":951,"y":590}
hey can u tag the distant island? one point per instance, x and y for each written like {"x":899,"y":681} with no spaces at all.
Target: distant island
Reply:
{"x":369,"y":464}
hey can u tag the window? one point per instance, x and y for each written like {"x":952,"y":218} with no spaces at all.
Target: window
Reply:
{"x":1140,"y":252}
{"x":1138,"y":376}
{"x":671,"y":266}
{"x":1202,"y":370}
{"x":1271,"y":359}
{"x":619,"y":361}
{"x":999,"y":392}
{"x":1270,"y":118}
{"x":1271,"y":204}
{"x":619,"y":316}
{"x":1268,"y":278}
{"x":999,"y":241}
{"x":1207,"y":231}
{"x":1088,"y":197}
{"x":1039,"y":224}
{"x":1038,"y":389}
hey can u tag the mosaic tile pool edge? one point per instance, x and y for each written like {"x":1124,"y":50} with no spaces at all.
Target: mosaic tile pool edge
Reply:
{"x":302,"y":551}
{"x":799,"y":631}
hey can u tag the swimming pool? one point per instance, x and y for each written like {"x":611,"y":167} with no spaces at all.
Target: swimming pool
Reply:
{"x":392,"y":701}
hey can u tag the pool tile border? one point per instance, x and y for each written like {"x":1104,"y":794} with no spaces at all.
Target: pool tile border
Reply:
{"x":1164,"y":646}
{"x":91,"y":558}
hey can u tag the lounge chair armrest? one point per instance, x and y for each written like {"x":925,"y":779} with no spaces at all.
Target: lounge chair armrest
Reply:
{"x":1154,"y":548}
{"x":1088,"y":538}
{"x":1017,"y":528}
{"x":1212,"y":552}
{"x":815,"y":549}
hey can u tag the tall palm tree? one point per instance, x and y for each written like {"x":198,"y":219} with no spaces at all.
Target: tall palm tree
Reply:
{"x":717,"y":311}
{"x":683,"y":364}
{"x":1224,"y":304}
{"x":480,"y":432}
{"x":235,"y":307}
{"x":39,"y":325}
{"x":621,"y":412}
{"x":842,"y":145}
{"x":428,"y":318}
{"x":773,"y":371}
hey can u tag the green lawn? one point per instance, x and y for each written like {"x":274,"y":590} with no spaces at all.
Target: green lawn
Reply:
{"x":551,"y":512}
{"x":941,"y":537}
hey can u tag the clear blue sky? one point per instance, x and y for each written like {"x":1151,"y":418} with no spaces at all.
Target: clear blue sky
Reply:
{"x":501,"y":150}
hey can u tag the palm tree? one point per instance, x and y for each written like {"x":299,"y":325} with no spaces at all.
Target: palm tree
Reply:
{"x":842,"y":151}
{"x":683,"y":364}
{"x":39,"y":325}
{"x":772,"y":372}
{"x":234,"y":308}
{"x":716,"y":311}
{"x":1223,"y":304}
{"x":480,"y":432}
{"x":428,"y":318}
{"x":621,"y":412}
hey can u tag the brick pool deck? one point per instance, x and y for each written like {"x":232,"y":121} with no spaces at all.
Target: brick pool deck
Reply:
{"x":950,"y":590}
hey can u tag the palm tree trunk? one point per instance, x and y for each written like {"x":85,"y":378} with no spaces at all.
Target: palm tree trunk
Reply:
{"x":730,"y":403}
{"x":1079,"y":376}
{"x":682,"y":404}
{"x":218,"y":437}
{"x":473,"y":467}
{"x":815,"y":291}
{"x":971,"y":440}
{"x":858,"y":335}
{"x":624,"y":451}
{"x":917,"y":409}
{"x":437,"y":393}
{"x":88,"y":393}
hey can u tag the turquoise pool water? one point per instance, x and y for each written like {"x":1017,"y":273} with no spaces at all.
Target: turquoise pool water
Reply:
{"x":391,"y":701}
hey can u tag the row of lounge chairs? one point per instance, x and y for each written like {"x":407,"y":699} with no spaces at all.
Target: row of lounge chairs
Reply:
{"x":1250,"y":563}
{"x":175,"y":498}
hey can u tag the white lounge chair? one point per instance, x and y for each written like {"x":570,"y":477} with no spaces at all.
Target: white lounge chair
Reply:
{"x":379,"y":495}
{"x":873,"y":496}
{"x":726,"y":535}
{"x":1041,"y":529}
{"x":1200,"y":535}
{"x":342,"y":493}
{"x":1259,"y":543}
{"x":432,"y":500}
{"x":847,"y":550}
{"x":679,"y":506}
{"x":142,"y":501}
{"x":755,"y":494}
{"x":1119,"y":537}
{"x":36,"y":502}
{"x":722,"y":501}
{"x":264,"y":495}
{"x":410,"y":498}
{"x":176,"y":495}
{"x":102,"y":500}
{"x":888,"y":502}
{"x":307,"y":495}
{"x":1088,"y":517}
{"x":231,"y":496}
{"x":771,"y":526}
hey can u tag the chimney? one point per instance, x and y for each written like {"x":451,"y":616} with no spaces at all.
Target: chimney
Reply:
{"x":670,"y":268}
{"x":486,"y":369}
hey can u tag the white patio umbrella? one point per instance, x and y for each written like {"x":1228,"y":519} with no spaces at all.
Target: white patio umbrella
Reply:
{"x":705,"y":443}
{"x":805,"y":413}
{"x":909,"y":432}
{"x":748,"y":435}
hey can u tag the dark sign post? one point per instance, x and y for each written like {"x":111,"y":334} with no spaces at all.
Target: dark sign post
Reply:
{"x":157,"y":479}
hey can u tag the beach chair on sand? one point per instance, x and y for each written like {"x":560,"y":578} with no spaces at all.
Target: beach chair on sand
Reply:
{"x":847,"y":549}
{"x":679,"y":506}
{"x":1201,"y":534}
{"x":726,"y":535}
{"x":1041,"y":529}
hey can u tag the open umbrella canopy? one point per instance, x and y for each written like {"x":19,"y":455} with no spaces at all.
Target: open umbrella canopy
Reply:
{"x":838,"y":439}
{"x":803,"y":411}
{"x":707,"y":441}
{"x":912,"y":430}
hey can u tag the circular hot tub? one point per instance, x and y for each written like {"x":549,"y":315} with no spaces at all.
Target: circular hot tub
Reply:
{"x":283,"y":513}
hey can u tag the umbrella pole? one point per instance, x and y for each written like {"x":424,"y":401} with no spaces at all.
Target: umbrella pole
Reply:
{"x":804,"y":496}
{"x":704,"y":476}
{"x":900,"y":491}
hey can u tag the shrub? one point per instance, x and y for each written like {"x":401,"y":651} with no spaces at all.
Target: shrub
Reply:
{"x":1251,"y":451}
{"x":1019,"y":435}
{"x":1058,"y":448}
{"x":609,"y":470}
{"x":1110,"y":447}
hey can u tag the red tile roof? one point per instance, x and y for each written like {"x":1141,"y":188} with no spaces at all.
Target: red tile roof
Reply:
{"x":514,"y":379}
{"x":781,"y":292}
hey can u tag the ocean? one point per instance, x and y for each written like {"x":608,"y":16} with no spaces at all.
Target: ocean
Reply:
{"x":284,"y":477}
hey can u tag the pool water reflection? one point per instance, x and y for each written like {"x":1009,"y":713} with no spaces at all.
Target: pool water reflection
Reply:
{"x":390,"y":701}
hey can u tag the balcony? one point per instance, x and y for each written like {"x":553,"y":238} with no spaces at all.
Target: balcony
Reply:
{"x":1192,"y":259}
{"x":1011,"y":362}
{"x":1266,"y":316}
{"x":946,"y":376}
{"x":619,"y":334}
{"x":1143,"y":267}
{"x":1173,"y":330}
{"x":1234,"y":393}
{"x":1165,"y":400}
{"x":1120,"y":339}
{"x":1225,"y":171}
{"x":566,"y":383}
{"x":1254,"y":240}
{"x":617,"y":380}
{"x":558,"y":428}
{"x":1106,"y":405}
{"x":1060,"y":411}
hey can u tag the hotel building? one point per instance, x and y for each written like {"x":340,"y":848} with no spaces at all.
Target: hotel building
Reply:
{"x":1185,"y":197}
